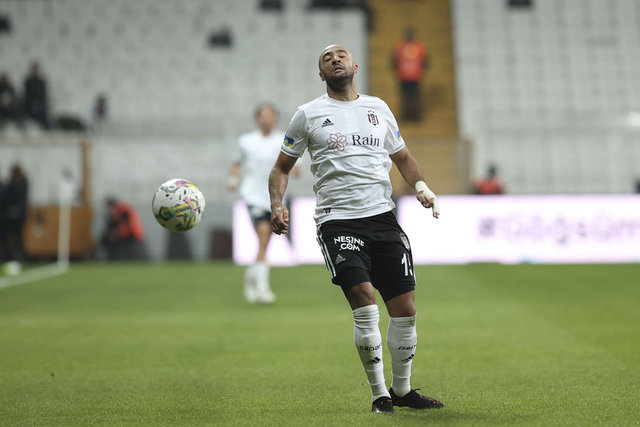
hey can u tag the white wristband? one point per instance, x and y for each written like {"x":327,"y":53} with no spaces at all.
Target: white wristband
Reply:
{"x":421,"y":186}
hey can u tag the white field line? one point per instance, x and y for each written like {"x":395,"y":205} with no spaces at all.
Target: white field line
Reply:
{"x":33,"y":275}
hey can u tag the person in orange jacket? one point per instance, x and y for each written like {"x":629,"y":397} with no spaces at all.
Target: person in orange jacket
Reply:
{"x":409,"y":62}
{"x":490,"y":184}
{"x":124,"y":234}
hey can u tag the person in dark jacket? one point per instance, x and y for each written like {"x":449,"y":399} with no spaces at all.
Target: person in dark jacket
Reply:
{"x":14,"y":213}
{"x":9,"y":102}
{"x":36,"y":100}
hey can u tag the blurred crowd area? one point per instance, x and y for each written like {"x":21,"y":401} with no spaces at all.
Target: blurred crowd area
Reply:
{"x":540,"y":86}
{"x":124,"y":62}
{"x":114,"y":98}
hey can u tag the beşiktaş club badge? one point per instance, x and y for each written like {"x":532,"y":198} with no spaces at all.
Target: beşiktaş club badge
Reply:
{"x":373,"y":118}
{"x":405,"y":241}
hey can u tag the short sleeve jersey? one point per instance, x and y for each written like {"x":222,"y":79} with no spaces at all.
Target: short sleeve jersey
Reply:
{"x":349,"y":143}
{"x":257,"y":154}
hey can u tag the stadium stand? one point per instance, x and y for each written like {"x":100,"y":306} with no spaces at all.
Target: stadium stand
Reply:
{"x":433,"y":140}
{"x":153,"y":60}
{"x":176,"y":104}
{"x":548,"y":92}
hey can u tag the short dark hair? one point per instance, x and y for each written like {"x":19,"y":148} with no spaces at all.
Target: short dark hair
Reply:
{"x":264,"y":105}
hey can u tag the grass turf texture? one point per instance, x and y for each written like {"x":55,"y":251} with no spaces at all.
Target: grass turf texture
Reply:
{"x":176,"y":344}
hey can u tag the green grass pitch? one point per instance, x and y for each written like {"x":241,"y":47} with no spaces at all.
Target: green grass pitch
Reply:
{"x":176,"y":344}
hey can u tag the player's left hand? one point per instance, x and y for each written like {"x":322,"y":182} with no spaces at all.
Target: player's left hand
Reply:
{"x":427,"y":198}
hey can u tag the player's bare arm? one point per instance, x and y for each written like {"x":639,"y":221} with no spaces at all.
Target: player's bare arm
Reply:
{"x":410,"y":171}
{"x":278,"y":180}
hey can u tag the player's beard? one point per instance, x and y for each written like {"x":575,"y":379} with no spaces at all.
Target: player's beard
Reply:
{"x":338,"y":83}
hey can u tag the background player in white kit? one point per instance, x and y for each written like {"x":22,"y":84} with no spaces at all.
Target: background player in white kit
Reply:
{"x":256,"y":151}
{"x":352,"y":140}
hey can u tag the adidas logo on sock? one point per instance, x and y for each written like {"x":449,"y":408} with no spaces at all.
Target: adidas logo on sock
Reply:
{"x":327,"y":123}
{"x":408,"y":358}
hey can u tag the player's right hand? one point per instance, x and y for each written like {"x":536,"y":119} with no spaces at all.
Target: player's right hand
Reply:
{"x":233,"y":182}
{"x":280,"y":220}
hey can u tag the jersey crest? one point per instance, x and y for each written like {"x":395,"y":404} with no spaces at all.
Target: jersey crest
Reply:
{"x":373,"y":117}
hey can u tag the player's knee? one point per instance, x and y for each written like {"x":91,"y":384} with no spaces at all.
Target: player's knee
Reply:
{"x":402,"y":305}
{"x":360,"y":295}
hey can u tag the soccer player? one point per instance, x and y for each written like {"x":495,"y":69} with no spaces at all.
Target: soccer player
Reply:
{"x":256,"y":151}
{"x":352,"y":139}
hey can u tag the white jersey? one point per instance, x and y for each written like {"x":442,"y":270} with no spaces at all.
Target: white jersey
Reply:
{"x":349,"y":143}
{"x":257,"y":154}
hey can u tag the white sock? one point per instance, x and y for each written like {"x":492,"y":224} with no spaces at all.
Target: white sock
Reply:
{"x":368,"y":340}
{"x":258,"y":272}
{"x":262,"y":281}
{"x":250,"y":284}
{"x":401,"y":339}
{"x":250,"y":273}
{"x":261,"y":271}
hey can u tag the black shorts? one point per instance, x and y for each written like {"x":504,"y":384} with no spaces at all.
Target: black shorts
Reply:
{"x":258,"y":214}
{"x":373,"y":249}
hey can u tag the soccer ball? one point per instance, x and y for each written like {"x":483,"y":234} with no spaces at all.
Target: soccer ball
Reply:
{"x":178,"y":205}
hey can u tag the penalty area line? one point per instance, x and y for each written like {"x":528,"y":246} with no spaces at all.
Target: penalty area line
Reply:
{"x":34,"y":275}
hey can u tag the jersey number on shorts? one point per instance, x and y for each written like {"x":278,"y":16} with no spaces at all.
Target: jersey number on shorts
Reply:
{"x":406,"y":262}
